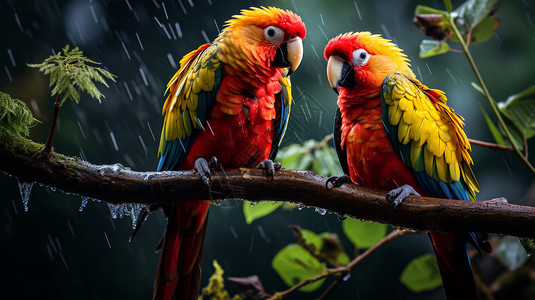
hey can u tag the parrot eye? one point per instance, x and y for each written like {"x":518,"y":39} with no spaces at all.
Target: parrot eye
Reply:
{"x":360,"y":57}
{"x":274,"y":35}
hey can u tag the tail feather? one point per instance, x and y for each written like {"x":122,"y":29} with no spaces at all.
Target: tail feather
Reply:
{"x":178,"y":275}
{"x":454,"y":265}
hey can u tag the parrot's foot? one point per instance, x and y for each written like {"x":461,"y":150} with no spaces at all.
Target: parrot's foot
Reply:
{"x":204,"y":167}
{"x":337,"y":181}
{"x":396,"y":196}
{"x":270,"y":167}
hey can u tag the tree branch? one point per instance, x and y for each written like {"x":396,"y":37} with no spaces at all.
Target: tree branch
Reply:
{"x":115,"y":184}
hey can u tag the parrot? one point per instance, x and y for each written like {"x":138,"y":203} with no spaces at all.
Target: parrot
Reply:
{"x":228,"y":106}
{"x":392,"y":132}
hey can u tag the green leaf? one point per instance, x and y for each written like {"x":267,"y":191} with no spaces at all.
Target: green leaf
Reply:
{"x":521,"y":111}
{"x":484,"y":30}
{"x":421,"y":274}
{"x":447,"y":3}
{"x":511,"y":253}
{"x":498,"y":137}
{"x":364,"y":234}
{"x":258,"y":210}
{"x":295,"y":156}
{"x":430,"y":48}
{"x":426,"y":10}
{"x":70,"y":69}
{"x":326,"y":162}
{"x":472,"y":12}
{"x":293,"y":263}
{"x":311,"y":237}
{"x":528,"y":245}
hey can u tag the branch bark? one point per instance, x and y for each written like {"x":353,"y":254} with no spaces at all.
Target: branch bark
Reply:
{"x":116,"y":184}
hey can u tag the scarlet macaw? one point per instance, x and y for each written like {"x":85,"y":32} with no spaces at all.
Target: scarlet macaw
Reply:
{"x":393,"y":132}
{"x":230,"y":100}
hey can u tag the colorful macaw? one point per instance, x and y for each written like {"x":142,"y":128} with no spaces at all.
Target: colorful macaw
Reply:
{"x":392,"y":132}
{"x":229,"y":100}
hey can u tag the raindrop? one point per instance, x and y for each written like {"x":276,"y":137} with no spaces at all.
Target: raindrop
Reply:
{"x":11,"y":57}
{"x":113,"y":210}
{"x":140,"y":44}
{"x":300,"y":206}
{"x":321,"y":17}
{"x":182,"y":6}
{"x":253,"y":204}
{"x":128,"y":4}
{"x":8,"y":74}
{"x":143,"y":145}
{"x":107,"y":240}
{"x":346,"y":278}
{"x":233,"y":231}
{"x":165,"y":11}
{"x":428,"y":69}
{"x":143,"y":76}
{"x":25,"y":190}
{"x":126,"y":50}
{"x":84,"y":203}
{"x":81,"y":130}
{"x":151,"y":133}
{"x":178,"y":30}
{"x":321,"y":211}
{"x":112,"y":136}
{"x":205,"y":36}
{"x":128,"y":91}
{"x":358,"y":10}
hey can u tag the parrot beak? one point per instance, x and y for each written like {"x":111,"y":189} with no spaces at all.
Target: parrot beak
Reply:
{"x":334,"y":71}
{"x":340,"y":73}
{"x":289,"y":55}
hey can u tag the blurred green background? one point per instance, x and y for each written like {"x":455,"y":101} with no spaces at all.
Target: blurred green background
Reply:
{"x":55,"y":251}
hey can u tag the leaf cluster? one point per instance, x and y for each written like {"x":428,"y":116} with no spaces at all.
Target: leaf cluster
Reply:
{"x":15,"y":117}
{"x":474,"y":18}
{"x":70,"y":69}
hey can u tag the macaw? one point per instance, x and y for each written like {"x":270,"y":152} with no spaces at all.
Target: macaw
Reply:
{"x":229,"y":100}
{"x":392,"y":132}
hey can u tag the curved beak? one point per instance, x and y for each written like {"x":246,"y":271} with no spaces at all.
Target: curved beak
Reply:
{"x":340,"y":73}
{"x":289,"y":55}
{"x":334,"y":71}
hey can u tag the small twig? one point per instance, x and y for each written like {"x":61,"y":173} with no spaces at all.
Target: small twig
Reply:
{"x":331,"y":287}
{"x":490,"y":145}
{"x":57,"y":105}
{"x":487,"y":95}
{"x":344,"y":269}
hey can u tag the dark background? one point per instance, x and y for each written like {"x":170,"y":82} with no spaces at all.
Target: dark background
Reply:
{"x":55,"y":251}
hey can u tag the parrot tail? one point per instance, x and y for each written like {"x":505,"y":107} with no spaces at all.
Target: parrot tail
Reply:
{"x":178,"y":275}
{"x":454,"y":265}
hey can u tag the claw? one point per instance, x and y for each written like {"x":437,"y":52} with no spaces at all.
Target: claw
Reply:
{"x":270,"y":167}
{"x":337,"y":181}
{"x":203,"y":168}
{"x":396,"y":196}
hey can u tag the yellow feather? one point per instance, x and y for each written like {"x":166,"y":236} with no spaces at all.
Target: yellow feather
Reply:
{"x":394,"y":115}
{"x":403,"y":133}
{"x":408,"y":116}
{"x":416,"y":152}
{"x":454,"y":171}
{"x":429,"y":161}
{"x":442,"y":169}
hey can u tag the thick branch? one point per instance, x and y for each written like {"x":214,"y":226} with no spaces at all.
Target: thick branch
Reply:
{"x":114,"y":184}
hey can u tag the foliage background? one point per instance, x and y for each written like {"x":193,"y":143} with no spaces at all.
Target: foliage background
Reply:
{"x":55,"y":251}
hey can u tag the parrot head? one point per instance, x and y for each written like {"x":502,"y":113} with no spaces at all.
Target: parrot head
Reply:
{"x":359,"y":62}
{"x":268,"y":36}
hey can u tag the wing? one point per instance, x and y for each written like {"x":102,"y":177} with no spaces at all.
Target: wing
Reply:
{"x":283,"y":103}
{"x":192,"y":91}
{"x":337,"y":141}
{"x":429,"y":137}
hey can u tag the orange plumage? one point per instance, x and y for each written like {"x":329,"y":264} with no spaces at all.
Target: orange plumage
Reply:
{"x":227,"y":101}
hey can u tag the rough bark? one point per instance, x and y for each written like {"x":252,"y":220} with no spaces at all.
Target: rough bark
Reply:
{"x":115,"y":184}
